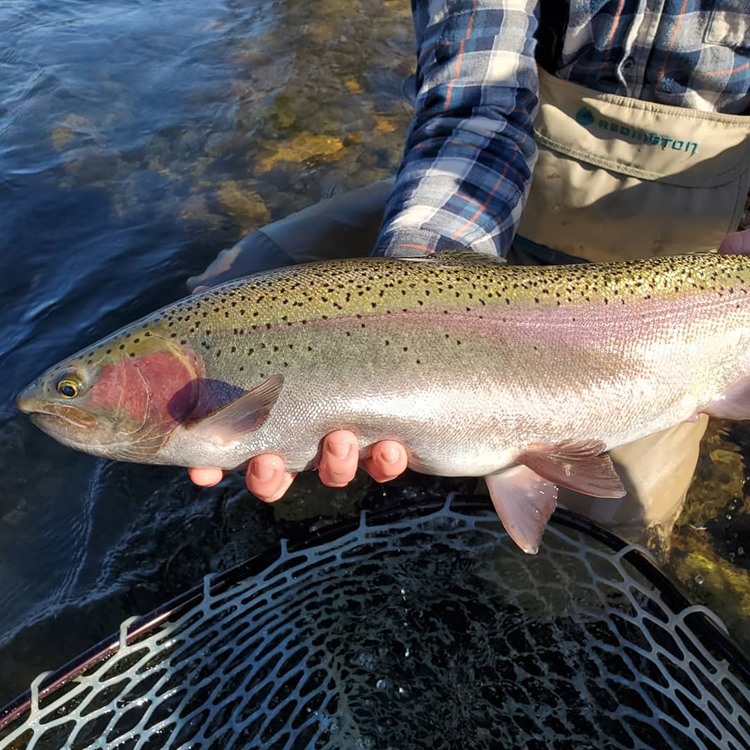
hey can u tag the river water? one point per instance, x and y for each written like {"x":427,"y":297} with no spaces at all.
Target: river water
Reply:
{"x":137,"y":139}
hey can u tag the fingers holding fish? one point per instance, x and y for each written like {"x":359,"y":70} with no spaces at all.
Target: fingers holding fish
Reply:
{"x":387,"y":461}
{"x":736,"y":243}
{"x":267,"y":478}
{"x":205,"y":477}
{"x":339,"y":457}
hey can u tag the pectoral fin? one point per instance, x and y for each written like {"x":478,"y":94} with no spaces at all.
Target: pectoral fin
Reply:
{"x":581,"y":466}
{"x":243,"y":415}
{"x":524,"y":501}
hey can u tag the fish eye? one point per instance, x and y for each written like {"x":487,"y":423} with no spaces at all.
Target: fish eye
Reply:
{"x":68,"y":388}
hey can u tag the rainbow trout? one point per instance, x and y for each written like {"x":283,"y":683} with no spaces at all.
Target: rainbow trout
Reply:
{"x":523,"y":375}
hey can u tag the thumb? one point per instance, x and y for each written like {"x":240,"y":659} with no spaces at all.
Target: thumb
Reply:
{"x":737,"y":243}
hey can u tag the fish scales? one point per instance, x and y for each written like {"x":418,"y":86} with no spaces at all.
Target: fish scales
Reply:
{"x":469,"y":362}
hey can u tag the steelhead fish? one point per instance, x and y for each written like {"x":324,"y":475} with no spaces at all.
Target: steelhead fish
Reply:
{"x":523,"y":375}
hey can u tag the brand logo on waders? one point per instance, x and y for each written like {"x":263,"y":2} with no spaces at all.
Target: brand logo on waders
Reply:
{"x":586,"y":117}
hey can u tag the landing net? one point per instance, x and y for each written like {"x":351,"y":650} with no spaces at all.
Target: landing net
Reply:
{"x":404,"y":631}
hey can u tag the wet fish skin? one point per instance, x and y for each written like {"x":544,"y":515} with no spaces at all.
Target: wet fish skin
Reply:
{"x":523,"y":375}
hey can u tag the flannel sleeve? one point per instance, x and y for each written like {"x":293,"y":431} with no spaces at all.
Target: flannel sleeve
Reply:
{"x":470,"y":149}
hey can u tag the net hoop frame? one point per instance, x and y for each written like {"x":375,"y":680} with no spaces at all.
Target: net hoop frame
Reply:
{"x":701,"y":621}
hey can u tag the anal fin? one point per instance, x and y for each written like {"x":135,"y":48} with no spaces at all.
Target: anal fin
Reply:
{"x":524,"y":501}
{"x":581,"y":465}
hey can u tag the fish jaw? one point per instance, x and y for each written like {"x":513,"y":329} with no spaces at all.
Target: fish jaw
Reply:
{"x":57,"y":420}
{"x":30,"y":402}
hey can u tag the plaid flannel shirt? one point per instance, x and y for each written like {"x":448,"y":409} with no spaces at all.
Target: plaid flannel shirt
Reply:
{"x":470,"y":150}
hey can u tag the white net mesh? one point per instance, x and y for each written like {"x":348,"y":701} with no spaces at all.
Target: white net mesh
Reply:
{"x":429,"y":632}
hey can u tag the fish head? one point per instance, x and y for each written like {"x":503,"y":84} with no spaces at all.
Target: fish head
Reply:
{"x":120,"y":398}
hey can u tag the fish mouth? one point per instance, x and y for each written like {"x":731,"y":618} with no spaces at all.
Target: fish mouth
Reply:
{"x":45,"y":413}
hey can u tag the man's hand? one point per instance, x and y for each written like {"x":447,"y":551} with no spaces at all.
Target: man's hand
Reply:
{"x":737,"y":243}
{"x":267,"y":478}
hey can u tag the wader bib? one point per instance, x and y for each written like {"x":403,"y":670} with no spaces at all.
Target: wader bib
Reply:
{"x":621,"y":178}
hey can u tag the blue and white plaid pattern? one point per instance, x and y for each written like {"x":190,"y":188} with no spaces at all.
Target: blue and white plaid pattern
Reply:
{"x":470,"y":150}
{"x":687,"y":53}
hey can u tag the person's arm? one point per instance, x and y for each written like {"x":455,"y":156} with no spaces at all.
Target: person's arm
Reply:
{"x":463,"y":179}
{"x":470,"y":149}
